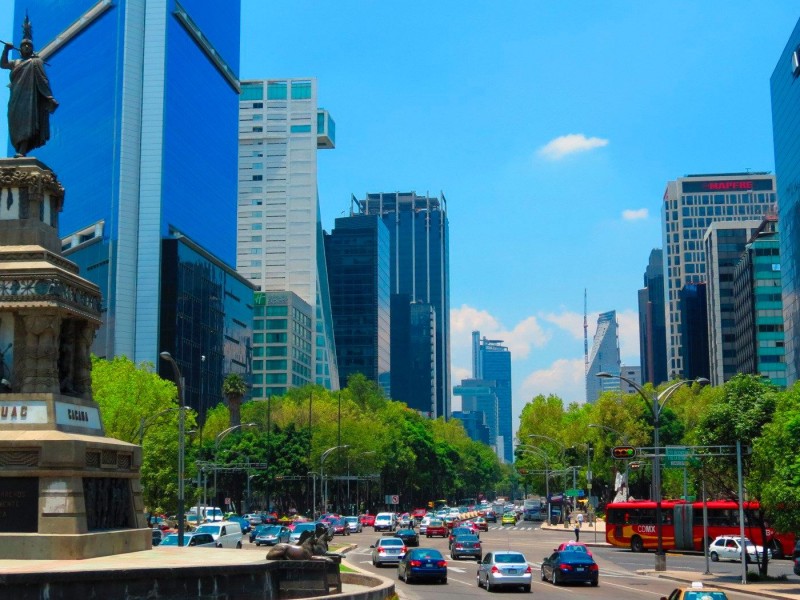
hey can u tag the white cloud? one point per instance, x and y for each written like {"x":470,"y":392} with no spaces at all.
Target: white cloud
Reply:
{"x":565,"y":378}
{"x":564,"y":145}
{"x":629,"y":336}
{"x":570,"y":322}
{"x":635,"y":215}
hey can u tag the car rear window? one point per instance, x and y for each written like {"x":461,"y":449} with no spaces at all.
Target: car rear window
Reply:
{"x":392,"y":542}
{"x":509,"y":558}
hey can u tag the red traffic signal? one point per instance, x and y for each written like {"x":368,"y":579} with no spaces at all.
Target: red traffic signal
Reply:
{"x":623,"y":452}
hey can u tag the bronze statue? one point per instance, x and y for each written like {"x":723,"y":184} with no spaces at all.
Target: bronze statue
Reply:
{"x":30,"y":101}
{"x":311,"y":543}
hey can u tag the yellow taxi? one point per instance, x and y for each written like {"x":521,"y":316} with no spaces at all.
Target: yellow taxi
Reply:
{"x":696,"y":591}
{"x":509,"y":518}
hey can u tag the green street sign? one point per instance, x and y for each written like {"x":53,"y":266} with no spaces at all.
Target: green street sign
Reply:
{"x":575,"y":493}
{"x":679,"y":457}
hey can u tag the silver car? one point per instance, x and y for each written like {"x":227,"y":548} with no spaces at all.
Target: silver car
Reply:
{"x":504,"y":568}
{"x":729,"y":547}
{"x":387,"y":550}
{"x":354,"y":524}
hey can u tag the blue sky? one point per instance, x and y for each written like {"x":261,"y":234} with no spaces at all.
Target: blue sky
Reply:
{"x":551,"y":128}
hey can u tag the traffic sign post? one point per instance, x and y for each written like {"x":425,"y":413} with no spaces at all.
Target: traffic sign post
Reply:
{"x":679,"y":457}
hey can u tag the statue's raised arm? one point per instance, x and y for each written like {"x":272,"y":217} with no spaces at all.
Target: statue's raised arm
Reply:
{"x":30,"y":100}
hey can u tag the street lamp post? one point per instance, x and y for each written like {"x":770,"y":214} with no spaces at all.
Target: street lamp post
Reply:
{"x":542,"y":454}
{"x":656,"y":405}
{"x":218,"y":439}
{"x":323,"y":485}
{"x":181,"y":444}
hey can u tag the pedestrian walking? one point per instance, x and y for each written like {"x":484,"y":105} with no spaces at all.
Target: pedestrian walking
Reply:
{"x":577,"y":532}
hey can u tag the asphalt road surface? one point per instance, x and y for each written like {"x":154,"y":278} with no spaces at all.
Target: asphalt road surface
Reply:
{"x":618,"y":578}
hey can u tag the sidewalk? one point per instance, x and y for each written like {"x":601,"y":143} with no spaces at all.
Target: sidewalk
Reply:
{"x":773,"y":589}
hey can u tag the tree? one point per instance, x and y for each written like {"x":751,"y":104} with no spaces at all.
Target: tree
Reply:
{"x":234,"y":389}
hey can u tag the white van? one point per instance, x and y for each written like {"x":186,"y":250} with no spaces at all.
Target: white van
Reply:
{"x":226,"y":534}
{"x":384,"y":522}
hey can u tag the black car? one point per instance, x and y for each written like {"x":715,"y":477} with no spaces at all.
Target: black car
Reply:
{"x":409,"y":536}
{"x":490,"y":516}
{"x":466,"y":545}
{"x":570,"y":566}
{"x":456,"y":531}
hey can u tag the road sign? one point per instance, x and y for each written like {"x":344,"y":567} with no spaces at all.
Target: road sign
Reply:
{"x":635,"y":465}
{"x":623,"y":452}
{"x":575,"y":493}
{"x":392,"y":499}
{"x":678,"y":457}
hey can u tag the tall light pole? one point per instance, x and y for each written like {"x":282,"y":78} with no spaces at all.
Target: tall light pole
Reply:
{"x":656,"y":405}
{"x":181,"y":444}
{"x":542,"y":454}
{"x":348,"y":476}
{"x":218,"y":439}
{"x":322,"y":473}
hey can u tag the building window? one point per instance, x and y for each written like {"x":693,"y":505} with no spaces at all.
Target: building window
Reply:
{"x":301,"y":129}
{"x":301,"y":90}
{"x":258,"y":129}
{"x":258,"y":177}
{"x":252,"y":91}
{"x":276,"y":90}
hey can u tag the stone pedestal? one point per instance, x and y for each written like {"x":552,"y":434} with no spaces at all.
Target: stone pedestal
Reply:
{"x":66,"y":490}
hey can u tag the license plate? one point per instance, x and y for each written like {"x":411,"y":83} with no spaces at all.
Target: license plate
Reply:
{"x":512,"y":571}
{"x":579,"y":569}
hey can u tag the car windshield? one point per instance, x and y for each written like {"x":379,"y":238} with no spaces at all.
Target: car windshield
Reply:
{"x":426,"y":553}
{"x":172,"y":540}
{"x":212,"y":529}
{"x":391,"y":542}
{"x":269,"y":530}
{"x":509,"y":558}
{"x":351,"y":519}
{"x":300,"y":527}
{"x":435,"y":523}
{"x":467,"y":538}
{"x":574,"y":548}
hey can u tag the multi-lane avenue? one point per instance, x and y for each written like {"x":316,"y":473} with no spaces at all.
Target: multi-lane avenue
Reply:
{"x":618,"y":577}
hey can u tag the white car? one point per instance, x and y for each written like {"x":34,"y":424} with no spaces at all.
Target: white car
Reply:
{"x":729,"y":547}
{"x":423,"y":525}
{"x":384,"y":522}
{"x":226,"y":534}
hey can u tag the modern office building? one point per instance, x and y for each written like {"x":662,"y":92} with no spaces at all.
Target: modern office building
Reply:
{"x":480,"y":396}
{"x":494,"y":364}
{"x":474,"y":424}
{"x":413,"y":354}
{"x":604,"y":357}
{"x":694,"y":330}
{"x":420,"y":272}
{"x":280,"y":244}
{"x":143,"y":155}
{"x":758,"y":306}
{"x":357,"y":251}
{"x":785,"y":90}
{"x":633,"y":374}
{"x":723,"y":243}
{"x":282,"y":344}
{"x":652,"y":333}
{"x":690,"y":205}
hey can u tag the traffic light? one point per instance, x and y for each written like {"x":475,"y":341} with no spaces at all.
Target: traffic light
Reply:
{"x":623,"y":452}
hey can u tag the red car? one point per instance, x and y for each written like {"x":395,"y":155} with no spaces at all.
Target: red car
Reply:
{"x":481,"y":524}
{"x":368,"y":520}
{"x":418,"y":513}
{"x":576,"y":546}
{"x":436,"y":527}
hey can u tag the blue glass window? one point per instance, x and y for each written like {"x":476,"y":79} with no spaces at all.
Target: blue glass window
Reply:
{"x":252,"y":91}
{"x":301,"y":128}
{"x":301,"y":90}
{"x":276,"y":90}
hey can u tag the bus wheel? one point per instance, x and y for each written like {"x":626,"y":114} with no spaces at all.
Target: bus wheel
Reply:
{"x":636,"y":544}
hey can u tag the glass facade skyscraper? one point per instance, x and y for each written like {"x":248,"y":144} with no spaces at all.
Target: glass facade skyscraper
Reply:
{"x":495,"y":366}
{"x":280,"y":245}
{"x":652,"y":333}
{"x":603,"y":357}
{"x":785,"y":90}
{"x":143,"y":155}
{"x":357,"y":251}
{"x":689,"y":206}
{"x":420,"y":271}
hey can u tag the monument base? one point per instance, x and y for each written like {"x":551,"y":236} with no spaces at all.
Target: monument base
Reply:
{"x":44,"y":546}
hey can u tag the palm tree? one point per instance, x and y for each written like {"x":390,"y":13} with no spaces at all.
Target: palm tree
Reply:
{"x":234,"y":388}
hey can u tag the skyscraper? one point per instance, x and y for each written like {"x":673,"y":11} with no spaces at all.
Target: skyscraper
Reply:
{"x":652,"y":333}
{"x":495,"y":365}
{"x":758,"y":315}
{"x":280,"y":240}
{"x":603,"y":357}
{"x":689,"y":206}
{"x":420,"y":272}
{"x":785,"y":93}
{"x":145,"y":159}
{"x":357,"y":251}
{"x":693,"y":310}
{"x":724,"y":244}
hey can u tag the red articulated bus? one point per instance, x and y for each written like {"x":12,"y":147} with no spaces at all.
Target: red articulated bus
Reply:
{"x":633,"y":525}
